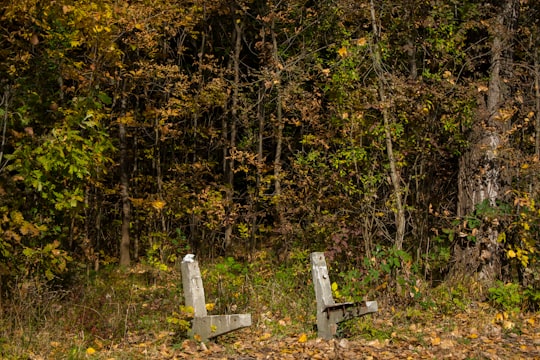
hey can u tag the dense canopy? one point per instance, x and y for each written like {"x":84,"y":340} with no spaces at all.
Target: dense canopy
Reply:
{"x":144,"y":130}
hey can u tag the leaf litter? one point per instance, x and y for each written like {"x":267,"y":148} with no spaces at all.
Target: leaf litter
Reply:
{"x":474,"y":334}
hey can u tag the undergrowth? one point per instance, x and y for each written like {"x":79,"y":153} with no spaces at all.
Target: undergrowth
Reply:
{"x":145,"y":305}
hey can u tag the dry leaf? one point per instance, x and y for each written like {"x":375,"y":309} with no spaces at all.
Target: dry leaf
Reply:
{"x":342,"y":52}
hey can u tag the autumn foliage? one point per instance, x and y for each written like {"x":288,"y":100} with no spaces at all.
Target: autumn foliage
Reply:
{"x":135,"y":131}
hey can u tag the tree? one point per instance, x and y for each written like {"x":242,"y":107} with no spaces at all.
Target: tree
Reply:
{"x":482,"y":182}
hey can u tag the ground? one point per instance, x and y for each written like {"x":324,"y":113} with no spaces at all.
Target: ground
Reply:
{"x":140,"y":315}
{"x":477,"y":333}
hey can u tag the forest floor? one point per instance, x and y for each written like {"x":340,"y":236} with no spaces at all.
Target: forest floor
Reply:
{"x":479,"y":333}
{"x":474,"y":334}
{"x":115,"y":317}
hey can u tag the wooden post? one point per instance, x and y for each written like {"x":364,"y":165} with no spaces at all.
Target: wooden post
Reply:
{"x":203,"y":325}
{"x":330,"y":313}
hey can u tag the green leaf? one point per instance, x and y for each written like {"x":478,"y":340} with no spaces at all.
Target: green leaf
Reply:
{"x":104,"y":98}
{"x":49,"y":275}
{"x":28,"y":252}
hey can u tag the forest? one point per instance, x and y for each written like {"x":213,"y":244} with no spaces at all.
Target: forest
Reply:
{"x":401,"y":138}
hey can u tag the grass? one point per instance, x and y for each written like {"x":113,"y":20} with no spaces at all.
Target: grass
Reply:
{"x":117,"y":314}
{"x":113,"y":307}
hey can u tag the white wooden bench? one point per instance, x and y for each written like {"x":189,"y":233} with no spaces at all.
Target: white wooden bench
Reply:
{"x":206,"y":326}
{"x":330,"y":313}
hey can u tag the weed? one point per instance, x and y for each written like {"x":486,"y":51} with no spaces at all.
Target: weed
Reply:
{"x":508,"y":297}
{"x":365,"y":328}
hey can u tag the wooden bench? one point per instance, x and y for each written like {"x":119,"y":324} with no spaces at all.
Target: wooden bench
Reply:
{"x":330,"y":313}
{"x":206,"y":326}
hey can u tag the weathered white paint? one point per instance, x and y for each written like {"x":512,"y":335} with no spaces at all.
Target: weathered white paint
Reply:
{"x":330,"y":313}
{"x":203,"y":325}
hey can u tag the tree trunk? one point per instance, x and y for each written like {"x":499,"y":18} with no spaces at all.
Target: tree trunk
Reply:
{"x":480,"y":176}
{"x":125,"y":258}
{"x":4,"y":101}
{"x":279,"y":121}
{"x":229,"y":160}
{"x":537,"y":103}
{"x":384,"y":104}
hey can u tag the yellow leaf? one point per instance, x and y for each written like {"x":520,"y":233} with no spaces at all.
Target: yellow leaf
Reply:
{"x":507,"y":325}
{"x":90,"y":351}
{"x":98,"y":343}
{"x":210,"y":306}
{"x":511,"y":254}
{"x":361,"y":41}
{"x":525,"y":166}
{"x":435,"y":341}
{"x":303,"y":338}
{"x":334,"y":286}
{"x":158,"y":204}
{"x":482,"y":88}
{"x":342,"y":52}
{"x":265,"y":336}
{"x":473,"y":336}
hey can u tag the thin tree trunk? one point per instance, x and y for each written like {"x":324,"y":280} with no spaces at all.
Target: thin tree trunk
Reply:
{"x":125,"y":258}
{"x":4,"y":101}
{"x":384,"y":104}
{"x":260,"y":164}
{"x":159,"y":175}
{"x":279,"y":124}
{"x":537,"y":99}
{"x":229,"y":194}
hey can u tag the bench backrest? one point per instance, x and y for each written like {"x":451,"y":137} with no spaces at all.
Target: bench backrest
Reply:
{"x":193,"y":288}
{"x":321,"y":281}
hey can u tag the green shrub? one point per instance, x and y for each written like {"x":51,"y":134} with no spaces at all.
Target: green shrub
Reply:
{"x":508,"y":297}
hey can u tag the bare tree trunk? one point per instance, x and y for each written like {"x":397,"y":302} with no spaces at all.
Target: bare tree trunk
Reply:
{"x":480,"y":178}
{"x":279,"y":118}
{"x":260,"y":164}
{"x":125,"y":258}
{"x":159,"y":175}
{"x":384,"y":104}
{"x":229,"y":169}
{"x":4,"y":101}
{"x":537,"y":99}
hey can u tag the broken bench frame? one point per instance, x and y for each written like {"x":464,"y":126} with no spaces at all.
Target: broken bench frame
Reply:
{"x":330,"y":313}
{"x":203,"y":325}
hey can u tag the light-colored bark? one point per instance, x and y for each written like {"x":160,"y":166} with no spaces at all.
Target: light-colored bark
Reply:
{"x":279,"y":118}
{"x":481,"y":178}
{"x":384,"y":103}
